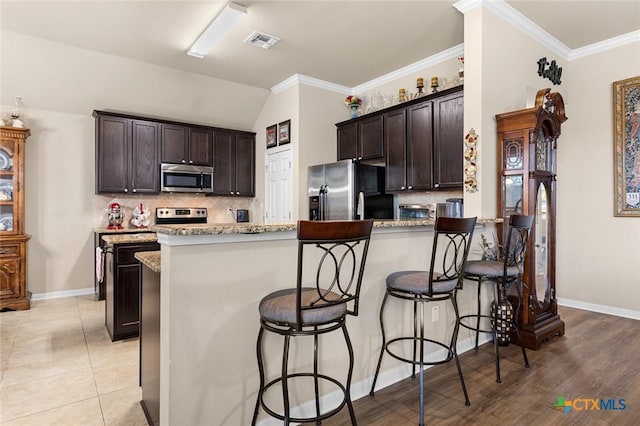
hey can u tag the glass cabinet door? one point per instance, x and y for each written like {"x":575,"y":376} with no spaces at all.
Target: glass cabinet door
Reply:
{"x":7,"y":185}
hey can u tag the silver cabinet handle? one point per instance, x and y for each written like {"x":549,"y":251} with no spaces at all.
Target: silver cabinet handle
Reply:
{"x":437,"y":185}
{"x":231,"y":192}
{"x":126,"y":190}
{"x":237,"y":192}
{"x":402,"y":188}
{"x":190,"y":161}
{"x":410,"y":186}
{"x":184,"y":161}
{"x":135,"y":190}
{"x":3,"y":251}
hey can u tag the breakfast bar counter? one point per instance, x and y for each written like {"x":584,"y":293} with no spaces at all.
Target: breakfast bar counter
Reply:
{"x":213,"y":278}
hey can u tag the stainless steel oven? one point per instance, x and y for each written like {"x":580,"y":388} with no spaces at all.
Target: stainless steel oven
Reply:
{"x":186,"y":178}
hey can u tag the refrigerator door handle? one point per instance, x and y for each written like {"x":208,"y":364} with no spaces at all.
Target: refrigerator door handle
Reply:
{"x":322,"y":198}
{"x":360,"y":207}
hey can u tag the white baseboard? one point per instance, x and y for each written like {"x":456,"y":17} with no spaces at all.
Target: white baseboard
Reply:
{"x":63,"y":293}
{"x":603,"y":309}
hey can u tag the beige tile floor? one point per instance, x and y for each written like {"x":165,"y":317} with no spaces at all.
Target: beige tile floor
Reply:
{"x":59,"y":367}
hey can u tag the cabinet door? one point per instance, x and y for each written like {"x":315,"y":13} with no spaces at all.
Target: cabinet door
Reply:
{"x":144,"y":157}
{"x":127,"y":301}
{"x":224,"y":160}
{"x":245,"y":165}
{"x":370,"y":138}
{"x":10,"y":272}
{"x":395,"y":143}
{"x":173,"y":143}
{"x":347,"y":141}
{"x":200,"y":147}
{"x":113,"y":135}
{"x":448,"y":134}
{"x":419,"y":147}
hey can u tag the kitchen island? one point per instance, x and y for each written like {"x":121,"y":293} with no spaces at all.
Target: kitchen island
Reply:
{"x":213,"y":277}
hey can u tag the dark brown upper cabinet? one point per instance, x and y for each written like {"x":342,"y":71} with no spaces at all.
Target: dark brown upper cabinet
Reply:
{"x":234,"y":163}
{"x":361,"y":139}
{"x":186,"y":145}
{"x":448,"y":134}
{"x":127,"y":155}
{"x":420,"y":141}
{"x":130,"y":149}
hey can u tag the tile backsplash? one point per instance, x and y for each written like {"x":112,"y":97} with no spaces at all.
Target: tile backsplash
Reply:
{"x":217,"y":207}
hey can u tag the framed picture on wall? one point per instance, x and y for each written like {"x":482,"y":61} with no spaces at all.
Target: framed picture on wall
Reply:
{"x":271,"y":136}
{"x":284,"y":136}
{"x":626,"y":120}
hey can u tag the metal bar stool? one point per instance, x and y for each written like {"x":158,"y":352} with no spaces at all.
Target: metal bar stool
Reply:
{"x":340,"y":249}
{"x":451,"y":242}
{"x":502,"y":273}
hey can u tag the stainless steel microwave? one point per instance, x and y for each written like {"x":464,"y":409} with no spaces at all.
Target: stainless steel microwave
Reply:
{"x":185,"y":178}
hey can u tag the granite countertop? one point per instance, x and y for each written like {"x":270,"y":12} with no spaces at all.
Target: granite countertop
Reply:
{"x":150,"y":259}
{"x":146,"y":237}
{"x":256,"y":228}
{"x":120,"y":231}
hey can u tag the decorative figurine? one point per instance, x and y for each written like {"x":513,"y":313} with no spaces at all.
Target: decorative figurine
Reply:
{"x":140,"y":217}
{"x":15,"y":113}
{"x":419,"y":86}
{"x":434,"y":84}
{"x":402,"y":95}
{"x":115,"y":216}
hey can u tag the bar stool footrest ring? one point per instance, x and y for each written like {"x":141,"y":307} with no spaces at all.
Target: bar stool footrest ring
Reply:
{"x":448,"y":358}
{"x":322,"y":416}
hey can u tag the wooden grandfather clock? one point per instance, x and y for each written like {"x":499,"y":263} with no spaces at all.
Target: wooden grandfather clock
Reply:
{"x":527,"y":141}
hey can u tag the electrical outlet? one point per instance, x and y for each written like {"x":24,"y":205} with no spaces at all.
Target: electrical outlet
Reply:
{"x":434,"y":314}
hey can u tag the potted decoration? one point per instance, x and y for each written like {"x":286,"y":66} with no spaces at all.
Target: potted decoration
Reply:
{"x":353,"y":103}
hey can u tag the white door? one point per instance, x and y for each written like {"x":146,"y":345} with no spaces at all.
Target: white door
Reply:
{"x":279,"y":197}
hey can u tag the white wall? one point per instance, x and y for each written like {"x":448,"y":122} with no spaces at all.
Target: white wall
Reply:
{"x":61,"y":86}
{"x":598,"y":254}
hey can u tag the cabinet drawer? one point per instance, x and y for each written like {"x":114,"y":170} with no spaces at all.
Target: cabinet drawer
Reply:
{"x":9,"y":249}
{"x":126,"y":255}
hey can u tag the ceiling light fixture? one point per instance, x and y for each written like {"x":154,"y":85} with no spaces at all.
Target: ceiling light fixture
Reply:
{"x":221,"y":24}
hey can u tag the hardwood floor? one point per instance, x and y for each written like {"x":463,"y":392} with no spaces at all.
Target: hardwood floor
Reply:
{"x":597,"y":358}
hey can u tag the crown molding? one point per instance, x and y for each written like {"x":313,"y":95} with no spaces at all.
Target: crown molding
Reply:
{"x":604,"y":45}
{"x":310,"y":81}
{"x":452,"y":52}
{"x":464,"y":6}
{"x":527,"y":26}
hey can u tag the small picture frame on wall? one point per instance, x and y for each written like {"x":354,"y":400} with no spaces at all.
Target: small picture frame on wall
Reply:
{"x":271,"y":136}
{"x":284,"y":136}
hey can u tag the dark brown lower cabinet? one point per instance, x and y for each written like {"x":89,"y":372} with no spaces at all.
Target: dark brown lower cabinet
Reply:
{"x":122,"y":284}
{"x":150,"y":345}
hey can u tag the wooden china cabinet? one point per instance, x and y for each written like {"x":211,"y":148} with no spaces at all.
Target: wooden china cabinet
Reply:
{"x":527,"y":142}
{"x":13,"y":241}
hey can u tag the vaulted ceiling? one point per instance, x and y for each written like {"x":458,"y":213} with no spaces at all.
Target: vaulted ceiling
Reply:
{"x":342,"y":42}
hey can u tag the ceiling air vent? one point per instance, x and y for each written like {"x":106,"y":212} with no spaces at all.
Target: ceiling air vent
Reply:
{"x":263,"y":40}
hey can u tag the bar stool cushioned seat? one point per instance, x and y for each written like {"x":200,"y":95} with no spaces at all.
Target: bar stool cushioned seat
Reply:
{"x":489,"y":268}
{"x":280,"y":307}
{"x":413,"y":282}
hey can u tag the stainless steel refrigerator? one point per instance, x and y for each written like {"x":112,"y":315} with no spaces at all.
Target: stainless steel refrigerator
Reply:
{"x":347,"y":190}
